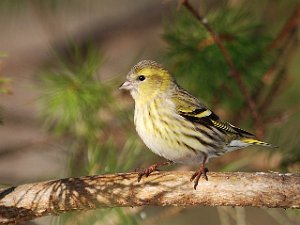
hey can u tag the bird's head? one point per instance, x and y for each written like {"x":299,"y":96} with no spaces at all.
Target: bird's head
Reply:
{"x":146,"y":80}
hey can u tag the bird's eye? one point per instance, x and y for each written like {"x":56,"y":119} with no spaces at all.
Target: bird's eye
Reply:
{"x":141,"y":77}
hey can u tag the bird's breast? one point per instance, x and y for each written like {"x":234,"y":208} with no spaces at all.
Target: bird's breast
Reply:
{"x":166,"y":133}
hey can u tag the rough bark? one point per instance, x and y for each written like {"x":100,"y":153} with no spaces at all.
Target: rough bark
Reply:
{"x":28,"y":201}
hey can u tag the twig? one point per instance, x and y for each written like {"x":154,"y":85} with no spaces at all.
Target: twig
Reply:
{"x":29,"y":201}
{"x":233,"y":71}
{"x":273,"y":91}
{"x":278,"y":80}
{"x":277,"y":72}
{"x":282,"y":52}
{"x":291,"y":24}
{"x":284,"y":45}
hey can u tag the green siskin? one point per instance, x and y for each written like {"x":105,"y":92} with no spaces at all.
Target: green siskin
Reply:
{"x":176,"y":125}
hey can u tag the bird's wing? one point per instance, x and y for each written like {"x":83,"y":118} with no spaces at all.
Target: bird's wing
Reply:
{"x":193,"y":110}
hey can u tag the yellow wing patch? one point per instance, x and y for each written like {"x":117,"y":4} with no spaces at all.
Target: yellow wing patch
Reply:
{"x":196,"y":113}
{"x":256,"y":142}
{"x":203,"y":114}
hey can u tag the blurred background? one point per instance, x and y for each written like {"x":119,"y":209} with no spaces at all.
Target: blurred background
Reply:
{"x":61,"y":63}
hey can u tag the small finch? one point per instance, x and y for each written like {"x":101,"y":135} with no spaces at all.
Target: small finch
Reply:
{"x":176,"y":125}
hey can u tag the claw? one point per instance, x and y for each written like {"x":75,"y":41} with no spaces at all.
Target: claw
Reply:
{"x":193,"y":176}
{"x":147,"y":172}
{"x":204,"y":173}
{"x":150,"y":169}
{"x":196,"y":176}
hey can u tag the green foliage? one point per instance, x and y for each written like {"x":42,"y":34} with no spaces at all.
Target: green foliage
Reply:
{"x":3,"y":86}
{"x":72,"y":100}
{"x":193,"y":54}
{"x":106,"y":158}
{"x":3,"y":54}
{"x":3,"y":82}
{"x":72,"y":96}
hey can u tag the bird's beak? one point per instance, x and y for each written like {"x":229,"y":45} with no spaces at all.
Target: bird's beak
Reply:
{"x":126,"y":86}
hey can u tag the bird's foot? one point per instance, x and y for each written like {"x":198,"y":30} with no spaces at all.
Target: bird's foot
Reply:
{"x":152,"y":168}
{"x":147,"y":172}
{"x":196,"y":176}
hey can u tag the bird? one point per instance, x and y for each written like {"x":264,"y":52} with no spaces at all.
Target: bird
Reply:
{"x":176,"y":125}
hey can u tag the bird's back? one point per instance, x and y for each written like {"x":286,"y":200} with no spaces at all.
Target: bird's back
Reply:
{"x":196,"y":112}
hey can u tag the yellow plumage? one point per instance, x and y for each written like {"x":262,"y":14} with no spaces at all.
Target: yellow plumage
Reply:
{"x":176,"y":125}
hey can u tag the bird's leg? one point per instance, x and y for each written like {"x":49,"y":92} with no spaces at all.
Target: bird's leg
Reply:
{"x":152,"y":168}
{"x":202,"y":171}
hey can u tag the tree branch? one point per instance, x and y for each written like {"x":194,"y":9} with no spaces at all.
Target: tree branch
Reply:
{"x":233,"y":71}
{"x":285,"y":44}
{"x":290,"y":26}
{"x":29,"y":201}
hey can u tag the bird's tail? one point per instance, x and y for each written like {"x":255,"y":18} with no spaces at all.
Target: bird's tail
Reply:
{"x":245,"y":142}
{"x":252,"y":141}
